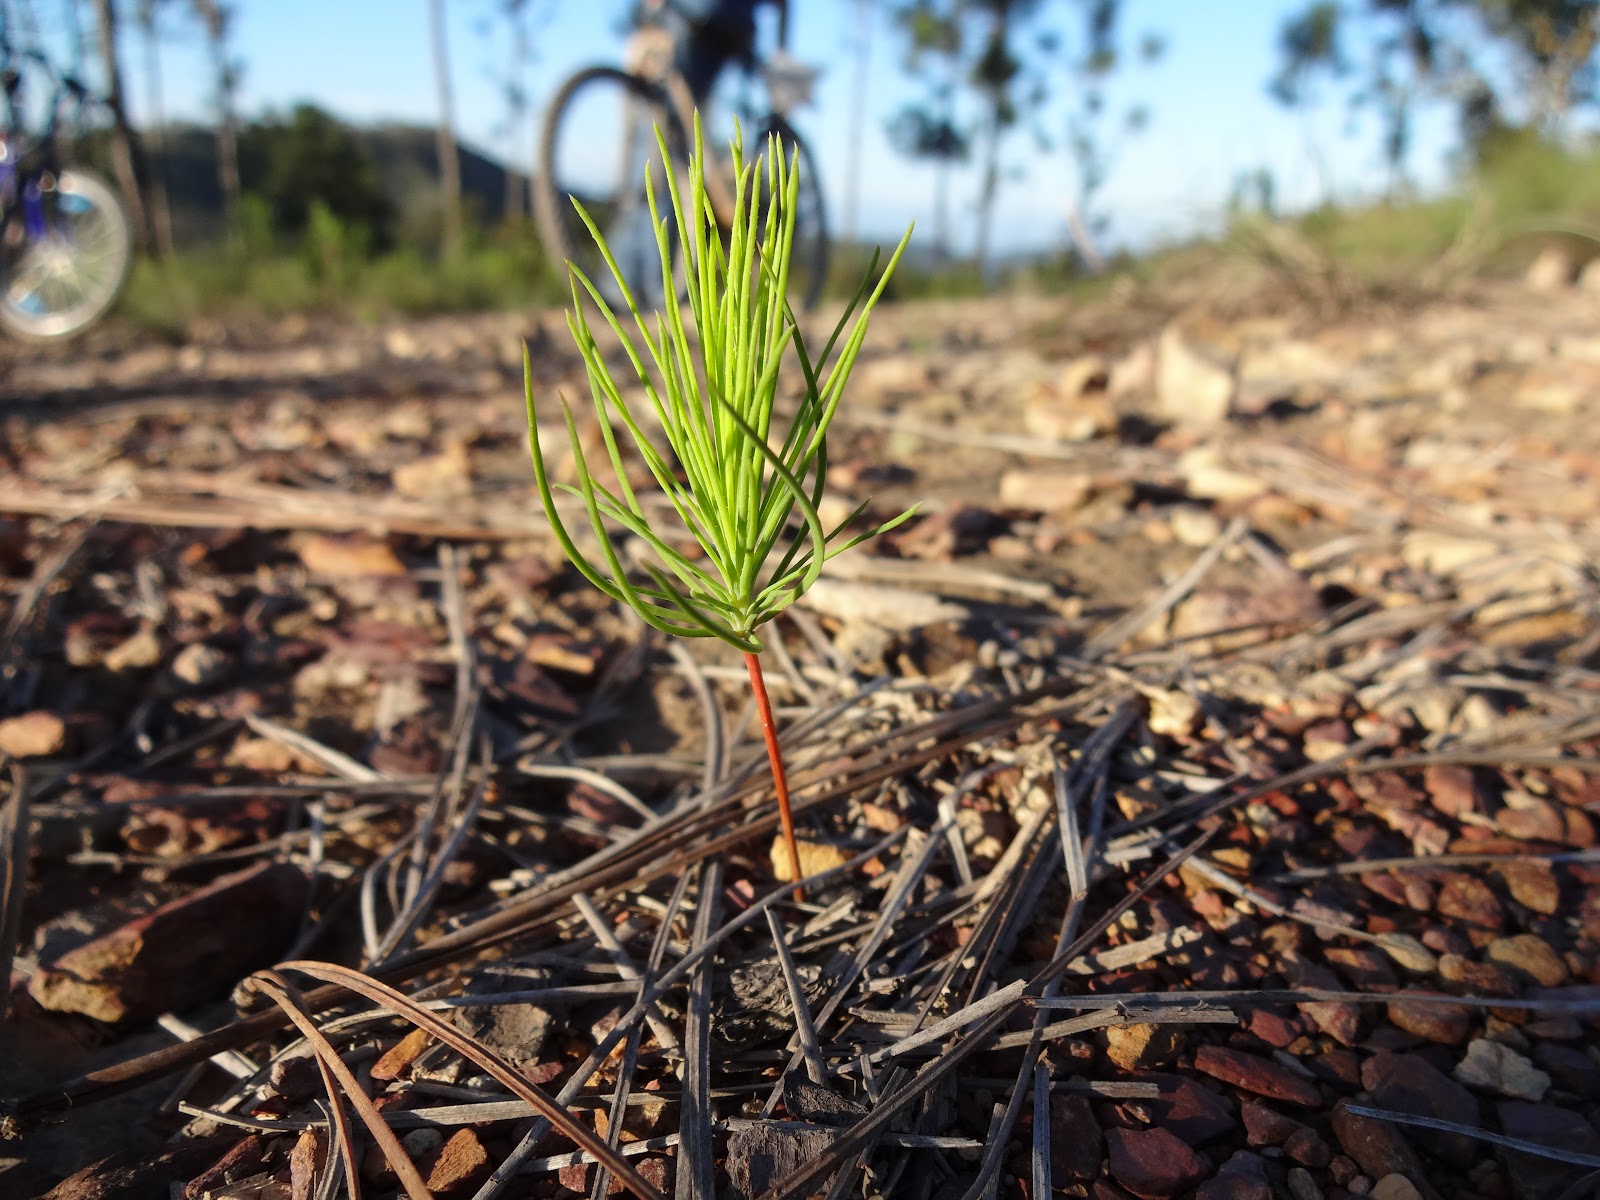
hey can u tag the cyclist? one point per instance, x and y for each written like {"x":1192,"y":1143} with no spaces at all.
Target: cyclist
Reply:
{"x":710,"y":34}
{"x":706,"y":36}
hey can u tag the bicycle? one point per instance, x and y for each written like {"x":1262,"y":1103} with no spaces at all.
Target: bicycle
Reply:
{"x":597,"y":145}
{"x":66,"y":245}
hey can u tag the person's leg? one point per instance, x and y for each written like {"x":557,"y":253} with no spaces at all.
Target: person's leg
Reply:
{"x":700,"y":62}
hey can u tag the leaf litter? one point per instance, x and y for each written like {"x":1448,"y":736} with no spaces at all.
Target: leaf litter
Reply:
{"x":346,"y":828}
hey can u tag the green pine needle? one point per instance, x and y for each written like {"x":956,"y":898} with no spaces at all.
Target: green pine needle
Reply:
{"x":733,"y":493}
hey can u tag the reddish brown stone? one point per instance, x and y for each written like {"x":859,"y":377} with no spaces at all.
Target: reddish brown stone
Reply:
{"x":1536,"y":822}
{"x":458,"y":1164}
{"x":1243,"y":1177}
{"x":655,"y":1170}
{"x":246,"y":1158}
{"x":133,"y":1176}
{"x":1307,"y":1148}
{"x":1452,"y":790}
{"x":1379,"y":1149}
{"x":1532,"y":884}
{"x":1444,"y":940}
{"x":603,"y":808}
{"x":1409,"y":1083}
{"x":1447,"y":1024}
{"x":1470,"y":901}
{"x":1529,"y":956}
{"x":1386,"y":884}
{"x":306,"y":1162}
{"x":1339,"y":1020}
{"x":1152,"y":1163}
{"x":1075,"y":1140}
{"x":1265,"y":1126}
{"x":1478,"y":979}
{"x":1273,"y":1027}
{"x":1337,"y":1066}
{"x":1570,"y":1067}
{"x":397,"y":1059}
{"x":183,"y":953}
{"x":1421,"y":895}
{"x":1548,"y":1125}
{"x":296,"y":1078}
{"x":1365,"y":968}
{"x":33,"y":735}
{"x":1189,"y":1109}
{"x":1255,"y":1074}
{"x":577,"y":1177}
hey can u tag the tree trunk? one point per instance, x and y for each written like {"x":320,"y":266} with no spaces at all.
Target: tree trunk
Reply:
{"x":449,"y":163}
{"x":127,"y":155}
{"x":228,"y":160}
{"x":78,"y":56}
{"x":858,"y":122}
{"x":987,"y":191}
{"x":517,"y":197}
{"x":215,"y":18}
{"x":160,"y":210}
{"x":939,"y":252}
{"x":1088,"y":253}
{"x":989,"y":188}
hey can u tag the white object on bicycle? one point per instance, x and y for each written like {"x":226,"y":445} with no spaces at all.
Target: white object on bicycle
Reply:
{"x":648,"y":52}
{"x":789,"y":81}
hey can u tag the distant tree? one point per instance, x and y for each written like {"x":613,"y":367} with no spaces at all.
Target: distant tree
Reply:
{"x":1553,"y":45}
{"x":127,"y":152}
{"x":149,"y":22}
{"x":934,"y":34}
{"x":1448,"y":49}
{"x":995,"y":76}
{"x":1309,"y":45}
{"x":216,"y":18}
{"x":515,"y":89}
{"x":1098,"y":132}
{"x":515,"y":24}
{"x":1014,"y":57}
{"x":449,"y":160}
{"x":1412,"y":50}
{"x":308,"y":159}
{"x":862,"y":46}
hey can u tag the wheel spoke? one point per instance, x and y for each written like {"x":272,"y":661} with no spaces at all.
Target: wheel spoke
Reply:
{"x":61,"y":282}
{"x":598,"y":146}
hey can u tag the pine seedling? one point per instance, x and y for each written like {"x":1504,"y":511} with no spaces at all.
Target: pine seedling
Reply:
{"x":742,"y":487}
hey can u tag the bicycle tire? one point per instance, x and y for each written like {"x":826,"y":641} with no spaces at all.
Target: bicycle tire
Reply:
{"x":808,"y":261}
{"x":562,"y":234}
{"x":37,"y":301}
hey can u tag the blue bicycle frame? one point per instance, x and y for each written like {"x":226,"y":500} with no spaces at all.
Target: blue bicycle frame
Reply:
{"x":32,"y":198}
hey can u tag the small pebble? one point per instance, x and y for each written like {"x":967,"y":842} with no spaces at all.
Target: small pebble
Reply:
{"x":1395,"y":1187}
{"x":1302,"y":1186}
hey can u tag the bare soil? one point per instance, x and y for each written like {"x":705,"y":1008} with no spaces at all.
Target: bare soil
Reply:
{"x":291,"y":668}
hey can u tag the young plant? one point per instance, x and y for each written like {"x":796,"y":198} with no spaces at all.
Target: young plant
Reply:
{"x":744,"y":489}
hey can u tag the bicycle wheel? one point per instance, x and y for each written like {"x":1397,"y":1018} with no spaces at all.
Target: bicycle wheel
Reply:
{"x":808,"y":263}
{"x":61,"y":270}
{"x":597,"y":147}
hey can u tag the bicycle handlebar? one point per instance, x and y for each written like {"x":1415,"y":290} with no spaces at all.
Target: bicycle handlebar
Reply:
{"x":66,"y":87}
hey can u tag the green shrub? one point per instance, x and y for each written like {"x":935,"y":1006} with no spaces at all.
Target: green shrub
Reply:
{"x":1519,"y":193}
{"x":332,"y":269}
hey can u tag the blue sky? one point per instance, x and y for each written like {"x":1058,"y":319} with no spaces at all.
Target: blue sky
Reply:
{"x":1210,"y":117}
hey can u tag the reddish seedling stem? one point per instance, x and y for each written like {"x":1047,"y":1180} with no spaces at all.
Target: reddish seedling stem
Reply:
{"x":780,"y":780}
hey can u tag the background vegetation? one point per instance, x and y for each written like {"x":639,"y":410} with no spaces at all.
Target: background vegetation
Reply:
{"x":293,"y":211}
